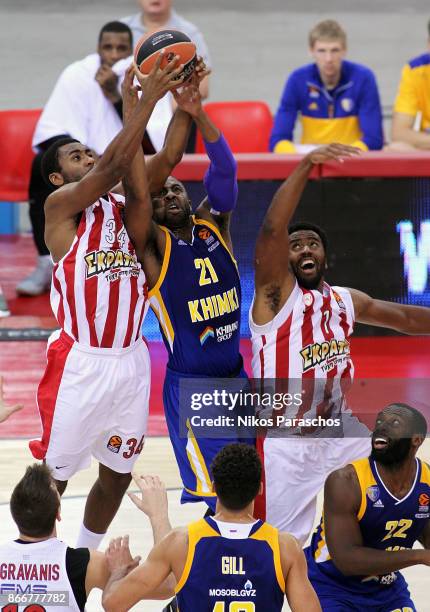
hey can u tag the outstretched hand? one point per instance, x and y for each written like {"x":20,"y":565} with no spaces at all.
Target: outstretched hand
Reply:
{"x":201,"y":70}
{"x":332,"y":152}
{"x":188,"y":97}
{"x":160,"y":80}
{"x":6,"y":411}
{"x":118,"y":556}
{"x":130,"y":93}
{"x":153,"y":500}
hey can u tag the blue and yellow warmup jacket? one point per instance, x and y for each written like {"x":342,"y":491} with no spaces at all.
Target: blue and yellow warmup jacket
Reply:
{"x":350,"y":113}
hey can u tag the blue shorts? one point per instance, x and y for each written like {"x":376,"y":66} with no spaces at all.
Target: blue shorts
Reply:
{"x":194,"y":454}
{"x":335,"y":604}
{"x":338,"y":593}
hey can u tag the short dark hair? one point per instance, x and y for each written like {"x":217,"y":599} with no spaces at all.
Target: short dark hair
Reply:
{"x":49,"y":162}
{"x":34,"y":503}
{"x":418,"y":421}
{"x":236,"y":472}
{"x":116,"y":26}
{"x":304,"y":225}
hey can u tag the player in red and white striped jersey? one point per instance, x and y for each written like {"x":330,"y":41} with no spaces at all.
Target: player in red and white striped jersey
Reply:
{"x":93,"y":398}
{"x":300,"y":328}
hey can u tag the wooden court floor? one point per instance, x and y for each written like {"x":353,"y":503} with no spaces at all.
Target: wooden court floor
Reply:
{"x":157,"y":458}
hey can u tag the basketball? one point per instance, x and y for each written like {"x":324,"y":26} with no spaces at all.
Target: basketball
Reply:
{"x":175,"y":43}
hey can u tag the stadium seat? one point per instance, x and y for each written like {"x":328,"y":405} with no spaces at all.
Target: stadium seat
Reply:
{"x":245,"y":125}
{"x":16,"y":130}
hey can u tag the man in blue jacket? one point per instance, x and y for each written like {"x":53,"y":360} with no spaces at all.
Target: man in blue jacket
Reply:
{"x":338,"y":100}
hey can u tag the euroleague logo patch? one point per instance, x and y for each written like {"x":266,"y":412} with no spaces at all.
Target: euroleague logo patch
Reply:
{"x":114,"y":444}
{"x":424,"y":502}
{"x":204,"y":233}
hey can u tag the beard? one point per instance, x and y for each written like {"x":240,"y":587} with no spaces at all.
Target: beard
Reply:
{"x":394,"y":454}
{"x":309,"y":283}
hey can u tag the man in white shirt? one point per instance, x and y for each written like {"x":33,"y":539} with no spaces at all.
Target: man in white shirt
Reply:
{"x":85,"y":104}
{"x":38,"y":564}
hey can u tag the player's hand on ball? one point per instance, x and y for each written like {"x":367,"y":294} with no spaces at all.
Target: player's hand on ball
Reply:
{"x":201,"y":70}
{"x":130,"y":95}
{"x":332,"y":152}
{"x":153,"y":500}
{"x":6,"y":411}
{"x":118,"y":556}
{"x":188,"y":97}
{"x":160,"y":80}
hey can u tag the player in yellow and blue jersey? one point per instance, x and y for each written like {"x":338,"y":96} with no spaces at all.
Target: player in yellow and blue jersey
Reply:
{"x":374,"y":511}
{"x":230,"y":562}
{"x":337,"y":100}
{"x":195,"y":291}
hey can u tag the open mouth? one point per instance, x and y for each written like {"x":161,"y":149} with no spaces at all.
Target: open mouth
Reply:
{"x":380,"y":442}
{"x":173,"y":207}
{"x":307,"y":265}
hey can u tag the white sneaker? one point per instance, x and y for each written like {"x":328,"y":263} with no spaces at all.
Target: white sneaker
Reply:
{"x":39,"y":281}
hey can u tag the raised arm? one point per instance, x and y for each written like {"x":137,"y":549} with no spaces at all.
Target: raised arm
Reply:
{"x":153,"y":503}
{"x":400,"y":317}
{"x":161,"y":165}
{"x":124,"y":588}
{"x":274,"y":279}
{"x":342,"y":499}
{"x":74,"y":197}
{"x":298,"y":590}
{"x":220,"y":179}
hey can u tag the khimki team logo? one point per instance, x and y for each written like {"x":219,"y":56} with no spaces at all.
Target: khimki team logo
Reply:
{"x":220,"y":334}
{"x":207,"y":333}
{"x":373,"y":494}
{"x":347,"y":104}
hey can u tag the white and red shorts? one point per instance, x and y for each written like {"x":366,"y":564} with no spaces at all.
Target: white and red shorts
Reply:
{"x":92,"y":402}
{"x":295,"y":470}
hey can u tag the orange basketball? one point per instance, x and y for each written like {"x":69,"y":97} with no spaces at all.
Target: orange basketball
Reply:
{"x":175,"y":43}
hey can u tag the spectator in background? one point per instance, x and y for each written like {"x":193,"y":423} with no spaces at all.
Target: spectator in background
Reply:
{"x":85,"y":104}
{"x":159,"y":15}
{"x":411,"y":117}
{"x":338,"y":100}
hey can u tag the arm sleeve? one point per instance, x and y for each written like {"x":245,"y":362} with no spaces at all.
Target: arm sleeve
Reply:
{"x":370,"y":115}
{"x":286,"y":115}
{"x":221,"y":177}
{"x":407,"y":100}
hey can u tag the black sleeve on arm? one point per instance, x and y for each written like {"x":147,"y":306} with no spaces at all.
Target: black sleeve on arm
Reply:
{"x":77,"y":560}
